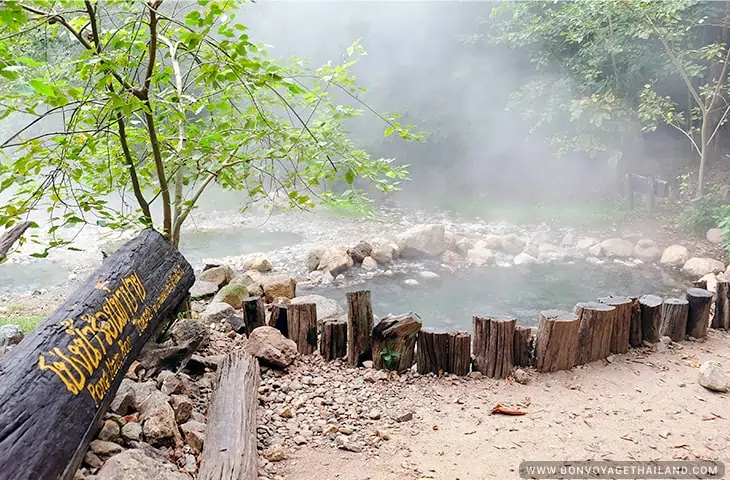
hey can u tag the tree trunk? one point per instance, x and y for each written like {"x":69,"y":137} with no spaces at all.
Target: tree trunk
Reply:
{"x":432,"y":352}
{"x":57,"y":384}
{"x":394,"y":340}
{"x":698,"y":315}
{"x":280,"y":318}
{"x":595,"y":332}
{"x":722,"y":306}
{"x":229,"y":452}
{"x":333,"y":344}
{"x":302,"y":327}
{"x":557,"y":341}
{"x":674,"y":318}
{"x":359,"y":326}
{"x":523,"y":348}
{"x":11,"y":236}
{"x":459,"y":353}
{"x":704,"y":135}
{"x":254,"y":313}
{"x":493,"y":343}
{"x":622,"y":325}
{"x":651,"y":317}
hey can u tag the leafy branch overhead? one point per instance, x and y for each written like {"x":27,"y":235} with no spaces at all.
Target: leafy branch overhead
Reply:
{"x":129,"y":111}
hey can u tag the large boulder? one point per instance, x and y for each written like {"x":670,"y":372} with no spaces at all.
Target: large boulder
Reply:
{"x":271,"y":347}
{"x":360,"y":251}
{"x":136,"y":464}
{"x":699,"y":266}
{"x":313,"y":258}
{"x":335,"y":260}
{"x":714,"y":235}
{"x":493,"y":242}
{"x":384,"y":253}
{"x":463,"y":246}
{"x":326,"y":307}
{"x":674,"y":256}
{"x":480,"y":256}
{"x":451,"y":258}
{"x":369,"y":263}
{"x":232,"y":294}
{"x":713,"y":377}
{"x":427,"y":240}
{"x":512,"y":244}
{"x":219,"y":275}
{"x":10,"y":335}
{"x":257,"y":261}
{"x":585,"y":243}
{"x":281,"y":285}
{"x":617,"y":248}
{"x":646,"y":250}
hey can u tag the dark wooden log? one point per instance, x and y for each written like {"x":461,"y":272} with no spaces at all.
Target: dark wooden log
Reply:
{"x":394,"y":341}
{"x":493,"y":343}
{"x":635,"y":325}
{"x":303,"y":326}
{"x":698,"y":315}
{"x":721,"y":319}
{"x":359,"y":327}
{"x":651,"y":317}
{"x":595,"y":332}
{"x":523,"y":347}
{"x":622,"y":322}
{"x":459,"y":353}
{"x":557,"y":341}
{"x":432,"y":352}
{"x":333,"y":344}
{"x":56,"y":385}
{"x":11,"y":236}
{"x":254,"y":313}
{"x":280,"y":317}
{"x":674,"y":318}
{"x":229,"y":451}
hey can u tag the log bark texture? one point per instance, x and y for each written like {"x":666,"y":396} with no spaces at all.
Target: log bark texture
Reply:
{"x":493,"y":343}
{"x":229,"y":451}
{"x":596,"y":328}
{"x":303,"y":327}
{"x":523,"y":349}
{"x":700,"y":284}
{"x":622,"y":322}
{"x":359,"y":327}
{"x":459,"y":353}
{"x":721,"y":319}
{"x":394,"y":340}
{"x":432,"y":352}
{"x":333,"y":344}
{"x":674,"y":318}
{"x":254,"y":313}
{"x":280,"y":318}
{"x":56,"y":385}
{"x":651,"y":317}
{"x":10,"y":237}
{"x":698,"y":315}
{"x":635,"y":326}
{"x":557,"y":341}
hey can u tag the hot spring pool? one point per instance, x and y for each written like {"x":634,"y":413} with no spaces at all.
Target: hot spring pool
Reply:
{"x":450,"y":301}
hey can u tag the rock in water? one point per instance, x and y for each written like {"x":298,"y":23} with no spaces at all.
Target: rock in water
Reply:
{"x":369,"y":263}
{"x":699,"y":266}
{"x":279,"y":286}
{"x":360,"y":251}
{"x":675,"y":256}
{"x":10,"y":335}
{"x":617,"y":248}
{"x":271,"y":347}
{"x":422,"y":241}
{"x":313,"y":258}
{"x":712,"y":377}
{"x":586,"y":243}
{"x":384,"y":253}
{"x":512,"y":244}
{"x":219,"y":275}
{"x":257,"y":261}
{"x":326,"y":307}
{"x":480,"y":256}
{"x":646,"y":250}
{"x":335,"y":260}
{"x":135,"y":464}
{"x":595,"y":250}
{"x":464,"y":245}
{"x":232,"y":294}
{"x":524,"y":259}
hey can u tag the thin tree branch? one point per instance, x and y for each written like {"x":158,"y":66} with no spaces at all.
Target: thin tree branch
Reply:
{"x":132,"y":170}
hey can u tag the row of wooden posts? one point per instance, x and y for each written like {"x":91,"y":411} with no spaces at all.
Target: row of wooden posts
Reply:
{"x":564,"y":339}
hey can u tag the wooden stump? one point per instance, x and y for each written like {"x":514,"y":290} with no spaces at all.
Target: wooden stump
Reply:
{"x":302,"y":327}
{"x":721,"y":319}
{"x":651,"y":317}
{"x":622,"y":322}
{"x":557,"y":341}
{"x":432,"y":352}
{"x":359,"y":326}
{"x":333,"y":344}
{"x":56,"y":385}
{"x":635,"y":326}
{"x":523,"y":347}
{"x":674,"y":318}
{"x":700,"y":284}
{"x":280,"y":318}
{"x":493,"y":343}
{"x":459,"y":353}
{"x":254,"y":313}
{"x":595,"y":332}
{"x":229,"y":451}
{"x":698,"y":315}
{"x":394,"y":340}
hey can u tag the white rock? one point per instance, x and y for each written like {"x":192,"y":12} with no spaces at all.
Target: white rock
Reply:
{"x":711,"y":280}
{"x":617,"y":247}
{"x":714,"y":235}
{"x":411,"y":282}
{"x":335,"y":260}
{"x":524,"y":259}
{"x":713,"y":377}
{"x":512,"y":244}
{"x":493,"y":242}
{"x":586,"y":243}
{"x":422,"y":241}
{"x":369,"y":263}
{"x":257,"y":261}
{"x":383,"y":253}
{"x":480,"y":256}
{"x":674,"y":256}
{"x":595,"y":250}
{"x":699,"y":266}
{"x":428,"y":275}
{"x":646,"y":250}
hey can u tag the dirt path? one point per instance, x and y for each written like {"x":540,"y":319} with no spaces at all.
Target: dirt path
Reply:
{"x":643,"y":406}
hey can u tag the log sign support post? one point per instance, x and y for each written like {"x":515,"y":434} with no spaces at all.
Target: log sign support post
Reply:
{"x":57,"y":384}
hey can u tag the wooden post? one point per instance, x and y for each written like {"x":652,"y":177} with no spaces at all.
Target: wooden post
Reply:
{"x":651,"y":317}
{"x":280,"y":318}
{"x":674,"y":318}
{"x":722,"y":306}
{"x":394,"y":339}
{"x":635,"y":325}
{"x":432,"y":352}
{"x":359,"y":326}
{"x":557,"y":341}
{"x":333,"y":344}
{"x":11,"y":236}
{"x":254,"y":313}
{"x":229,"y":451}
{"x":595,"y":332}
{"x":651,"y":194}
{"x":57,"y":384}
{"x":622,"y":325}
{"x":493,"y":343}
{"x":302,"y":326}
{"x":698,"y":315}
{"x":459,"y":353}
{"x":523,"y":347}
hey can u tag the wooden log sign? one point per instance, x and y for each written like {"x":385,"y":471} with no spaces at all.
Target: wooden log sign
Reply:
{"x":56,"y":385}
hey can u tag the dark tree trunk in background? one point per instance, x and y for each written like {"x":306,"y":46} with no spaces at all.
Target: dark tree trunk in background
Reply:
{"x":254,"y":313}
{"x":56,"y":385}
{"x":557,"y":341}
{"x":359,"y":327}
{"x":303,"y":327}
{"x":722,"y":306}
{"x":622,"y":325}
{"x":674,"y":318}
{"x":595,"y":332}
{"x":333,"y":344}
{"x":394,"y":341}
{"x":698,"y":315}
{"x":651,"y":317}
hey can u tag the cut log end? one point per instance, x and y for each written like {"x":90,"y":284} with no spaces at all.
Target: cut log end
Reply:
{"x":557,"y":340}
{"x":674,"y":318}
{"x":596,"y":321}
{"x":621,"y":335}
{"x":698,"y":315}
{"x":393,"y":342}
{"x":651,"y":317}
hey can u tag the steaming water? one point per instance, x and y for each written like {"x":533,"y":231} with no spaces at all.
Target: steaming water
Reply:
{"x":451,"y":301}
{"x":22,"y":277}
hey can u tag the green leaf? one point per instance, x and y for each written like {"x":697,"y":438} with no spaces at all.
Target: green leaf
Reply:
{"x":40,"y":86}
{"x":350,"y":176}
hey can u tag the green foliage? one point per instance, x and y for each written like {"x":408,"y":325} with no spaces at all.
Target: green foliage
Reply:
{"x":390,"y":357}
{"x":702,"y":214}
{"x":27,"y":323}
{"x":723,"y":223}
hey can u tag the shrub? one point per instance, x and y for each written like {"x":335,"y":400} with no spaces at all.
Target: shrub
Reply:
{"x":702,"y":214}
